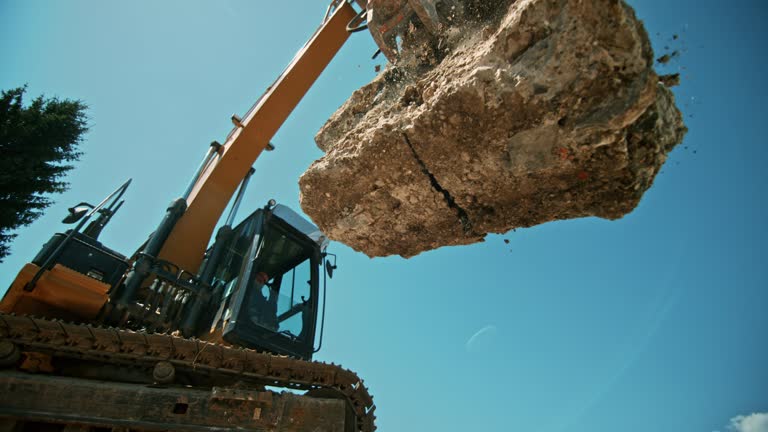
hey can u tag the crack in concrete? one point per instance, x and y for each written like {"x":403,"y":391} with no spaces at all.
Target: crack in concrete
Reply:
{"x":462,"y":215}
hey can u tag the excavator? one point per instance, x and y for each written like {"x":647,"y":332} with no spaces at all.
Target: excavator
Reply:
{"x":196,"y":331}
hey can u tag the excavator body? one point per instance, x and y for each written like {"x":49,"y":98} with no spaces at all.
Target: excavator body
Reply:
{"x":259,"y":287}
{"x":64,"y":331}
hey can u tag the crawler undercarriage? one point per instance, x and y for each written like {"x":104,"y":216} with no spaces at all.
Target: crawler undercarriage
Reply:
{"x":136,"y":381}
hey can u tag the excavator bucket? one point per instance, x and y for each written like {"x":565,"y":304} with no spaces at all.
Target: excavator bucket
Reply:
{"x":393,"y":22}
{"x":434,"y":20}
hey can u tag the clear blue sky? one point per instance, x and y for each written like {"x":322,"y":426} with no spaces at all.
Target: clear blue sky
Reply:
{"x":656,"y":322}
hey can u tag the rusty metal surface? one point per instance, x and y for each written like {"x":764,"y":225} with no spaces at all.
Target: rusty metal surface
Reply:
{"x":192,"y":357}
{"x":96,"y":403}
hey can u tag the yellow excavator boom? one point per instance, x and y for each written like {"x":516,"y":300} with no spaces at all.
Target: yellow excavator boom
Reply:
{"x":217,"y":183}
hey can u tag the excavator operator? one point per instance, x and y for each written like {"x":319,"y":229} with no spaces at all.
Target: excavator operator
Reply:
{"x":263,"y":304}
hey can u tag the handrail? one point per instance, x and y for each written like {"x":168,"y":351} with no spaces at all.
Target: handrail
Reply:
{"x":29,"y":286}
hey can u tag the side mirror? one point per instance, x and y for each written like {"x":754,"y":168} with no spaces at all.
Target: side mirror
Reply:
{"x":76,"y":213}
{"x":329,"y":269}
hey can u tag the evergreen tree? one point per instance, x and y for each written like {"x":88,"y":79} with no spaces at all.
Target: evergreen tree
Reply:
{"x":37,"y":145}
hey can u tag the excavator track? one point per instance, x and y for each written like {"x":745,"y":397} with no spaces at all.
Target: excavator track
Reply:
{"x":116,"y":346}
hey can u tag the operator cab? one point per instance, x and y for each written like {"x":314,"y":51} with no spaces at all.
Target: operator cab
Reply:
{"x":266,"y":286}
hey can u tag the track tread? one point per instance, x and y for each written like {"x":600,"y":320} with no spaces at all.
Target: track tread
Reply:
{"x":120,"y":346}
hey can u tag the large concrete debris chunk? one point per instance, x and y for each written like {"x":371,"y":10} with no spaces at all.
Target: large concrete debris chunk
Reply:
{"x":550,"y":111}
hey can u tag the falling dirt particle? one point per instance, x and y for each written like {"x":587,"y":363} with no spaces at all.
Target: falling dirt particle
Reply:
{"x":670,"y":80}
{"x":377,"y":68}
{"x":506,"y":241}
{"x":674,"y":37}
{"x":667,"y":57}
